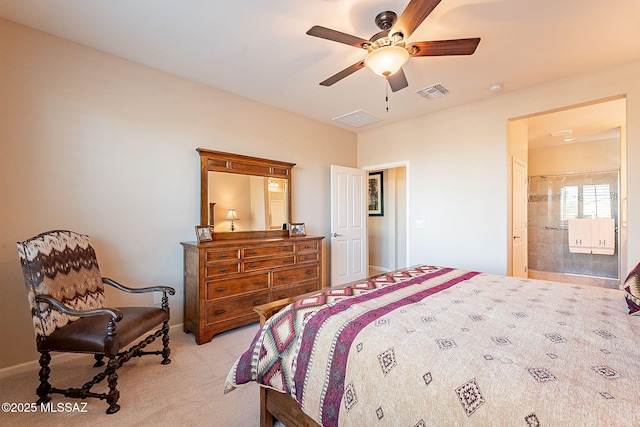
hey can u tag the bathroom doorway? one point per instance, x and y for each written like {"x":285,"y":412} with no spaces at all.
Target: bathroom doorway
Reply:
{"x":577,"y":171}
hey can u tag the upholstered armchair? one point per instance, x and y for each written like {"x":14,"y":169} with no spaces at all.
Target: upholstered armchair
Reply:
{"x":66,"y":295}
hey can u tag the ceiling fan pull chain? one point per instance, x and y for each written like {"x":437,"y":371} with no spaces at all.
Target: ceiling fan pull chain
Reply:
{"x":386,"y":98}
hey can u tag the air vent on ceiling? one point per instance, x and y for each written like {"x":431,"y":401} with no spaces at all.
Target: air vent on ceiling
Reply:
{"x":563,"y":132}
{"x":357,"y":119}
{"x":432,"y":92}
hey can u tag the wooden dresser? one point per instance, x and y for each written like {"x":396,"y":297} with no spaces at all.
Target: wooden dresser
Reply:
{"x":225,"y":279}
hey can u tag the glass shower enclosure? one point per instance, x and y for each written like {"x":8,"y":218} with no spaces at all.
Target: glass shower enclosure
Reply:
{"x":553,"y":201}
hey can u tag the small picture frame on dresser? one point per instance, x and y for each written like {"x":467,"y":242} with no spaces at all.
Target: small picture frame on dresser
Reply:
{"x":297,"y":229}
{"x":203,"y":233}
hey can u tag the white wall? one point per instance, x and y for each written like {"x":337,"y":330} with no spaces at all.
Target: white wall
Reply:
{"x":460,"y":187}
{"x":107,"y":147}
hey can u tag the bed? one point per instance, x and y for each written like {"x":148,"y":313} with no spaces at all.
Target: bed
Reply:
{"x":435,"y":346}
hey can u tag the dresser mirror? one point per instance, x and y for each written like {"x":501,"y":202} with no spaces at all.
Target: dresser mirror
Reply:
{"x":244,"y":196}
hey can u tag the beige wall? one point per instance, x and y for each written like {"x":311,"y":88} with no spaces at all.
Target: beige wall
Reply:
{"x":106,"y":147}
{"x":458,"y":164}
{"x":578,"y":157}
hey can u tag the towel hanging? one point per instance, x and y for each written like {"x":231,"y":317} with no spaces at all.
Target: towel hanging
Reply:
{"x":603,"y":236}
{"x":579,"y":236}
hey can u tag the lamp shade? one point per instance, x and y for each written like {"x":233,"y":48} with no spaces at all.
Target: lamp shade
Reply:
{"x":386,"y":60}
{"x":231,"y":215}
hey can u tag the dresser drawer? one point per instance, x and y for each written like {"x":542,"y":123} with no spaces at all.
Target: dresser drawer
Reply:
{"x":268,"y":263}
{"x":221,"y":269}
{"x":292,"y":291}
{"x":267,"y":251}
{"x":293,"y":275}
{"x":229,"y":287}
{"x":307,"y":246}
{"x":309,"y":257}
{"x":215,"y":255}
{"x":228,"y":308}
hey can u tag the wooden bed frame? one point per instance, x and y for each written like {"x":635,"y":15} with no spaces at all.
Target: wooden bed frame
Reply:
{"x":273,"y":404}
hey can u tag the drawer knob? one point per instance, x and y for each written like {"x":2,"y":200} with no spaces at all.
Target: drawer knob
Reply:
{"x":221,"y":289}
{"x":309,"y":272}
{"x":282,"y":297}
{"x":253,"y":253}
{"x":257,"y":282}
{"x":284,"y":277}
{"x":223,"y":255}
{"x":258,"y":303}
{"x":222,"y":270}
{"x":287,"y":261}
{"x":219,"y":312}
{"x":253,"y":265}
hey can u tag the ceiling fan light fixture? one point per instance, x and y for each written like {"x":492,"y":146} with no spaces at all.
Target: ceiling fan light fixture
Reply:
{"x":387,"y":60}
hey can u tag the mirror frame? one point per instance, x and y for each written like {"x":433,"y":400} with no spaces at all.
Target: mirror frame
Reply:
{"x":218,"y":161}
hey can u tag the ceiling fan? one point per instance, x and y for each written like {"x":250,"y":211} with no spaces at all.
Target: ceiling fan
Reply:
{"x":387,"y":52}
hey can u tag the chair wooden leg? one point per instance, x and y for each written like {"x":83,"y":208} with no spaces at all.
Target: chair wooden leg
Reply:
{"x":99,"y":361}
{"x":166,"y":351}
{"x":112,"y":379}
{"x":44,"y":388}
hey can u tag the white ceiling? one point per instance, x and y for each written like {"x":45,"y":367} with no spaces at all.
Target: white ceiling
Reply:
{"x":259,"y":49}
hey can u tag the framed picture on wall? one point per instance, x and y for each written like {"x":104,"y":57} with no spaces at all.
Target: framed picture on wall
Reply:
{"x":375,"y":194}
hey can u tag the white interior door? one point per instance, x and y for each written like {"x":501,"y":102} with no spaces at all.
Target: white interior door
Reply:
{"x":519,"y":214}
{"x":349,"y":256}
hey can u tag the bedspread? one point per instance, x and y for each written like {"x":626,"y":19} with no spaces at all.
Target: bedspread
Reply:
{"x":439,"y":346}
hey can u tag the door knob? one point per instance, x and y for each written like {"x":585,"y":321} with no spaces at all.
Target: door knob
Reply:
{"x":336,"y":234}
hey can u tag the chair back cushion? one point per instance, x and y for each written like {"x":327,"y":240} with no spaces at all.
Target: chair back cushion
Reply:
{"x":61,"y":264}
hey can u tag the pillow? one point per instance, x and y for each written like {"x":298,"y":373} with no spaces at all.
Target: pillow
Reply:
{"x":632,"y":291}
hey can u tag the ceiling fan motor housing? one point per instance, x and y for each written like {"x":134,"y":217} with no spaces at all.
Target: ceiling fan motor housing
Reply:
{"x":385,"y":20}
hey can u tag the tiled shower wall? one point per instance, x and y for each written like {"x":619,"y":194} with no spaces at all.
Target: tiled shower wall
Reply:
{"x":548,"y":241}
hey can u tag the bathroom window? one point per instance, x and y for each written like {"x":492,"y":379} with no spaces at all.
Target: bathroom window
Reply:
{"x":569,"y":202}
{"x":596,"y":201}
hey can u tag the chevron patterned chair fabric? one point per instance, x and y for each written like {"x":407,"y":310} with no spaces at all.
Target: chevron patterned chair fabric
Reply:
{"x":67,"y":300}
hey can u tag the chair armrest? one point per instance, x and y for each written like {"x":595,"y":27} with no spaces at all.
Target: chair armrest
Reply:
{"x":116,"y":315}
{"x":124,"y":288}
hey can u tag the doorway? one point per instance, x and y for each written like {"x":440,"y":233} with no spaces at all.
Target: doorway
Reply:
{"x":387,"y":223}
{"x":576,"y":160}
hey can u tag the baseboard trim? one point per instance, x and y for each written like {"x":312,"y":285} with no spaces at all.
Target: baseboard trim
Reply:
{"x":377,"y":270}
{"x":56,"y":358}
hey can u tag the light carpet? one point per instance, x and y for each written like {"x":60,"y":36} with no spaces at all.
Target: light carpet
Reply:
{"x":187,"y":392}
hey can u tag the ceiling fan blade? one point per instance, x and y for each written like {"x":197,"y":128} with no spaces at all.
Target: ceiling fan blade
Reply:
{"x":337,"y":36}
{"x":444,"y":47}
{"x":413,"y":15}
{"x":342,"y":74}
{"x":397,"y":80}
